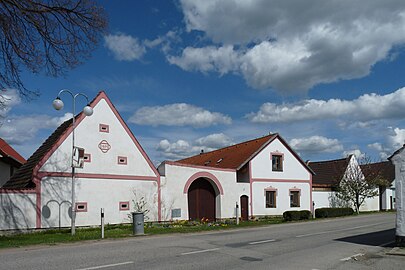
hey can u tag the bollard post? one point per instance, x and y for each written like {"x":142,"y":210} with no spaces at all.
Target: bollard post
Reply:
{"x":102,"y":223}
{"x":137,"y":223}
{"x":237,"y":213}
{"x":313,"y":209}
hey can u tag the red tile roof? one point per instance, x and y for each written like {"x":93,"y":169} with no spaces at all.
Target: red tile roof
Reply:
{"x":329,"y":173}
{"x":22,"y":178}
{"x":7,"y":151}
{"x":237,"y":155}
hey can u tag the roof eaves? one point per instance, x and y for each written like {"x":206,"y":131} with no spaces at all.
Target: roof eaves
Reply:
{"x":258,"y":151}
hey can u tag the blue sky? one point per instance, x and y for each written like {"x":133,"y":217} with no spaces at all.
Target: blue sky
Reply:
{"x":191,"y":75}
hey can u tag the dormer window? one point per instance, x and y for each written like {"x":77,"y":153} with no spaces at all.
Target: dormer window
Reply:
{"x":207,"y":162}
{"x":219,"y":160}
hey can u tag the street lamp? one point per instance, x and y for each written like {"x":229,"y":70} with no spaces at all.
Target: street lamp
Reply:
{"x":88,"y":111}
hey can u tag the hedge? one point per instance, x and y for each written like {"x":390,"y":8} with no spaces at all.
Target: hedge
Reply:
{"x":333,"y":212}
{"x":296,"y":215}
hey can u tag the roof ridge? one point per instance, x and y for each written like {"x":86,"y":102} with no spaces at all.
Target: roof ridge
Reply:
{"x":332,"y":160}
{"x":230,"y":146}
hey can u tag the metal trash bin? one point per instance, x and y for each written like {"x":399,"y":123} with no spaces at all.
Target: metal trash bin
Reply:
{"x":137,"y":223}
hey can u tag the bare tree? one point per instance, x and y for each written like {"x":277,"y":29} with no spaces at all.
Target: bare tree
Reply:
{"x":49,"y":36}
{"x":360,"y":181}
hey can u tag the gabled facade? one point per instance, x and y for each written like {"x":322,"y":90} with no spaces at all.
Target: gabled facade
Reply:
{"x":10,"y":161}
{"x":328,"y":175}
{"x":263,"y":176}
{"x":116,"y":171}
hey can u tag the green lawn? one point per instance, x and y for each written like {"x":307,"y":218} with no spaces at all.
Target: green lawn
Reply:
{"x":52,"y":237}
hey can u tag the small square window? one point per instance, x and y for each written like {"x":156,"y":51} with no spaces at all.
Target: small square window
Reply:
{"x":124,"y":206}
{"x":270,"y":199}
{"x":87,"y":157}
{"x":122,"y":160}
{"x":277,"y":162}
{"x":104,"y":128}
{"x":294,"y":198}
{"x":81,"y":207}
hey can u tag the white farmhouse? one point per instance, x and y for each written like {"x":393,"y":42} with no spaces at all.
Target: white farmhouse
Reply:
{"x":116,"y":171}
{"x":263,"y":176}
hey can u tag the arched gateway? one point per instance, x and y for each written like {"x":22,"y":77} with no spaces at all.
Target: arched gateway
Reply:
{"x":203,"y":195}
{"x":201,"y":200}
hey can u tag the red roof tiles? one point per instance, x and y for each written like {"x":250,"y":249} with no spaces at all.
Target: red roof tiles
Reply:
{"x":7,"y":151}
{"x":328,"y":173}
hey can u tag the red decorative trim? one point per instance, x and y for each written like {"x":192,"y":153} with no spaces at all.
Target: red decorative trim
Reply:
{"x":198,"y":167}
{"x":99,"y":176}
{"x":104,"y":128}
{"x":122,"y":160}
{"x":17,"y":191}
{"x":295,"y":189}
{"x":281,"y":180}
{"x":277,"y":153}
{"x":104,"y":146}
{"x":124,"y":206}
{"x":205,"y":175}
{"x":81,"y":207}
{"x":159,"y":199}
{"x":87,"y":157}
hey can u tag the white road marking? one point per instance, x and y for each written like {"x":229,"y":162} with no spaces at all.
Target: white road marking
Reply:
{"x":342,"y":230}
{"x":262,"y":242}
{"x":352,"y":257}
{"x":199,"y":251}
{"x":386,"y":244}
{"x":106,"y":266}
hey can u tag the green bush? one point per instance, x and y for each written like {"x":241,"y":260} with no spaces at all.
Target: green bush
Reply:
{"x":333,"y":212}
{"x":296,"y":215}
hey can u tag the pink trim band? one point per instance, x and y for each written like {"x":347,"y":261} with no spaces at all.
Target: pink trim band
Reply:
{"x":99,"y":176}
{"x":203,"y":175}
{"x":280,"y":180}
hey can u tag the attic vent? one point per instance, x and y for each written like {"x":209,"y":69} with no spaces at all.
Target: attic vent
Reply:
{"x":207,"y":162}
{"x":219,"y":160}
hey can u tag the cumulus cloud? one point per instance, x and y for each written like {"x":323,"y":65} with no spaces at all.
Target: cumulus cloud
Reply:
{"x":273,"y":44}
{"x":365,"y":108}
{"x":182,"y":149}
{"x":316,"y":144}
{"x":20,"y":129}
{"x":8,"y":99}
{"x":178,"y":114}
{"x":125,"y":47}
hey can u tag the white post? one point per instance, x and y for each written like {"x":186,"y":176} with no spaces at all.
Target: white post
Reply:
{"x":102,"y":223}
{"x":237,"y":213}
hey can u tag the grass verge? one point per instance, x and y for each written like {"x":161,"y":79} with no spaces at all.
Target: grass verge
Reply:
{"x":53,"y":237}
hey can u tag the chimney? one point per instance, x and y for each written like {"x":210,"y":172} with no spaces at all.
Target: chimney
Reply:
{"x":202,"y":151}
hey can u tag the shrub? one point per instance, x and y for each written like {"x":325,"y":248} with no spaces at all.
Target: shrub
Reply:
{"x":296,"y":215}
{"x":333,"y":212}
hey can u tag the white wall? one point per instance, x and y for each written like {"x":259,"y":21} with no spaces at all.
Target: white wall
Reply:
{"x":88,"y":136}
{"x":17,"y":211}
{"x":322,"y":198}
{"x":97,"y":193}
{"x":292,"y":168}
{"x":173,"y":197}
{"x":282,"y":197}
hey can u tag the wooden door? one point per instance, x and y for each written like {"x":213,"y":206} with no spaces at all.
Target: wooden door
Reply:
{"x":244,"y":207}
{"x":201,"y":200}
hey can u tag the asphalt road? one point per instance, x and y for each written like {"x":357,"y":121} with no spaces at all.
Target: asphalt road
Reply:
{"x":344,"y":243}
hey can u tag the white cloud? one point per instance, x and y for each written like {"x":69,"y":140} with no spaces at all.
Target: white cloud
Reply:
{"x":178,"y":114}
{"x":274,"y":44}
{"x":365,"y":108}
{"x":8,"y":99}
{"x":125,"y":47}
{"x":20,"y":129}
{"x":182,"y":149}
{"x":356,"y":152}
{"x":316,"y":144}
{"x":397,"y":138}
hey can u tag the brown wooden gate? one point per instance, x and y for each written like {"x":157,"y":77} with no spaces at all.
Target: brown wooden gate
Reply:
{"x":244,"y":207}
{"x":201,"y":200}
